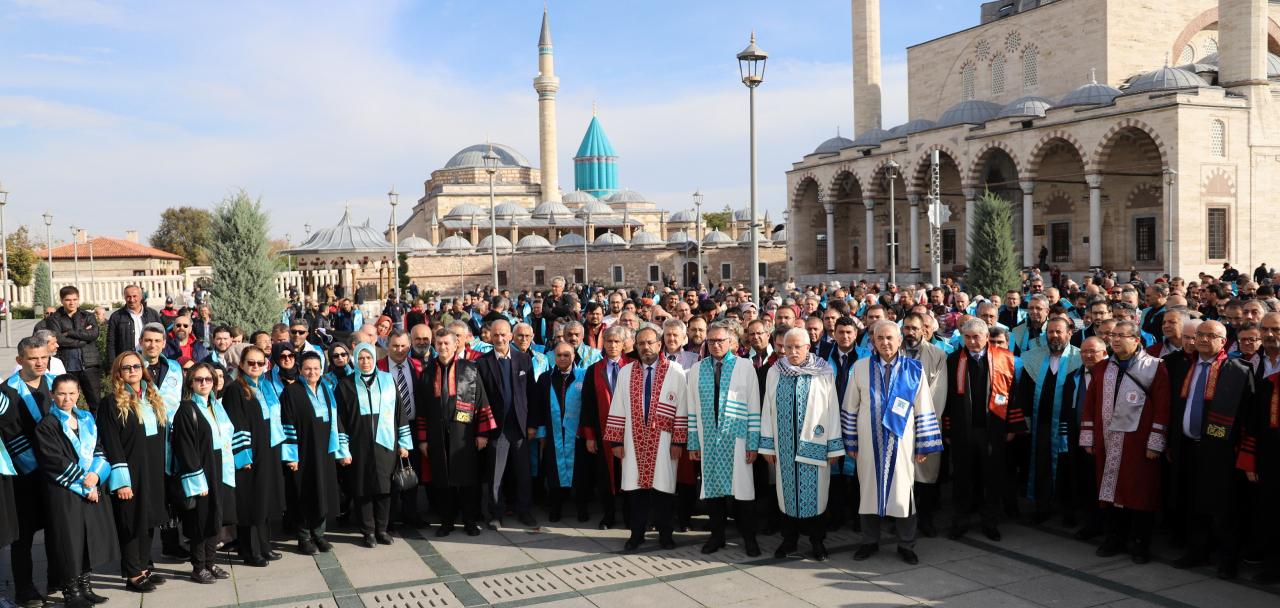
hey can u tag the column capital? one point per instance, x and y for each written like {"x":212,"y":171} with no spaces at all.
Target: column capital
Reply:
{"x":914,"y":198}
{"x":1028,"y":186}
{"x":829,"y":207}
{"x":869,"y":203}
{"x":1094,"y":180}
{"x":970,"y":193}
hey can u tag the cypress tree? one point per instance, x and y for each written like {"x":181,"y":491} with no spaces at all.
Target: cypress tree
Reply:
{"x":243,"y":291}
{"x":992,"y":265}
{"x":43,"y":295}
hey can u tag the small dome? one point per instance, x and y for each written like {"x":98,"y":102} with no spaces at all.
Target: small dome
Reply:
{"x":596,"y":208}
{"x":508,"y":210}
{"x":971,"y":112}
{"x":745,"y":238}
{"x":577,"y":198}
{"x":679,"y":237}
{"x":1165,"y":79}
{"x":549,"y":209}
{"x":1092,"y":94}
{"x":626,"y":196}
{"x":1029,"y":106}
{"x":645,"y":239}
{"x":416,"y":243}
{"x":686,"y":216}
{"x":455,"y":245}
{"x":833,"y":145}
{"x":912,"y":127}
{"x":473,"y":157}
{"x":716,"y":237}
{"x":871,"y":138}
{"x":533,"y":242}
{"x":487,"y":244}
{"x":1273,"y":64}
{"x":466,"y":211}
{"x":744,"y":215}
{"x":609,"y":239}
{"x":780,"y":236}
{"x":571,"y":240}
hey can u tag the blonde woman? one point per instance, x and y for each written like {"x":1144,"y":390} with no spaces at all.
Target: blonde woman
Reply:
{"x":132,"y":422}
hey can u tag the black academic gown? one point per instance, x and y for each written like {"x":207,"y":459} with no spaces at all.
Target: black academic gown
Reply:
{"x":972,"y":429}
{"x":1048,"y":484}
{"x":258,"y":489}
{"x":540,"y":415}
{"x":79,"y":535}
{"x":26,"y":496}
{"x":1213,"y":474}
{"x":451,"y":445}
{"x":371,"y":463}
{"x":194,"y":450}
{"x":126,"y":443}
{"x":1082,"y":472}
{"x":312,"y":491}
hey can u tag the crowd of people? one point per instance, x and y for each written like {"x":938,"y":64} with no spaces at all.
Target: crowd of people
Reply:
{"x":1116,"y":406}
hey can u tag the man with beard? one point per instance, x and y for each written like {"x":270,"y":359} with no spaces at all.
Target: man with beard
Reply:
{"x":584,"y":355}
{"x":1206,"y":420}
{"x":593,"y":324}
{"x":840,"y":356}
{"x":1084,"y":484}
{"x":597,"y":395}
{"x":615,"y":308}
{"x":1152,"y":316}
{"x":933,"y":361}
{"x":220,"y":344}
{"x":1260,"y":449}
{"x":1124,"y":426}
{"x":1045,"y":373}
{"x":420,"y":342}
{"x":697,"y":330}
{"x":1030,"y":334}
{"x":77,"y":334}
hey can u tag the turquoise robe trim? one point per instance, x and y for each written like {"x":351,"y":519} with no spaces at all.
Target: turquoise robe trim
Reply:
{"x":564,"y":428}
{"x":269,"y":400}
{"x":1059,"y":439}
{"x":719,"y":445}
{"x":380,"y":399}
{"x":223,"y":431}
{"x":24,"y":458}
{"x":84,"y":441}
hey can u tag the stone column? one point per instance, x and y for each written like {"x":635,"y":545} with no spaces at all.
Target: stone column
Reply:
{"x":1095,"y":219}
{"x":970,"y":201}
{"x":870,"y":244}
{"x":1028,"y":229}
{"x":830,"y":208}
{"x":914,"y":199}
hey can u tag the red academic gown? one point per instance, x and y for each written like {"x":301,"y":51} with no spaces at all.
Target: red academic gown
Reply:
{"x":1138,"y":480}
{"x":596,"y":398}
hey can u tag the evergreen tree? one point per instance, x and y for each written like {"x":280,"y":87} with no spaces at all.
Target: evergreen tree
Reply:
{"x":992,"y":265}
{"x":43,"y":293}
{"x":402,"y":278}
{"x":243,"y":290}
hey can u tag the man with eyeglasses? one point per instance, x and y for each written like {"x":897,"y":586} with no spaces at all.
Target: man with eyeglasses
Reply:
{"x":1084,"y":486}
{"x":1203,"y":447}
{"x":1259,"y":457}
{"x":1126,"y":428}
{"x":299,"y":331}
{"x":1248,"y":344}
{"x":598,"y":388}
{"x":182,"y":346}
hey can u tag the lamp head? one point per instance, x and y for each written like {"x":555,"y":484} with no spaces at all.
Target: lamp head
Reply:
{"x":751,"y":63}
{"x":392,"y":196}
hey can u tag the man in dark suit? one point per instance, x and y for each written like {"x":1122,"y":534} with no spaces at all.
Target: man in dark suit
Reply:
{"x":405,"y":372}
{"x":507,"y":375}
{"x":1082,"y":471}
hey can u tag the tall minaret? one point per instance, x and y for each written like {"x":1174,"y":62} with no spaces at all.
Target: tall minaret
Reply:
{"x":866,"y":66}
{"x":546,"y":84}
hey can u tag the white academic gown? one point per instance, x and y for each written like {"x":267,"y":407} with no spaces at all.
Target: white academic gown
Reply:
{"x":664,"y":468}
{"x":744,"y":388}
{"x":809,"y":495}
{"x":900,"y":484}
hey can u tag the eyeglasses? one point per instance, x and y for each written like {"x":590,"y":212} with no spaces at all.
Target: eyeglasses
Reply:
{"x":298,"y":332}
{"x":258,"y":363}
{"x":136,"y":367}
{"x":1250,"y":340}
{"x":201,"y":379}
{"x":341,"y":356}
{"x":182,"y":325}
{"x":286,"y":355}
{"x":716,"y":340}
{"x":1210,"y":335}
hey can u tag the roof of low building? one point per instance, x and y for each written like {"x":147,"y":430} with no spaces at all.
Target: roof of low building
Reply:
{"x":105,"y":247}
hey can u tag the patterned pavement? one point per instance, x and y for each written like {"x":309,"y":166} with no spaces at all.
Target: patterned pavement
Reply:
{"x":564,"y":565}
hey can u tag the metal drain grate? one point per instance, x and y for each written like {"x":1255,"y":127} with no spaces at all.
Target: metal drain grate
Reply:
{"x":677,"y":561}
{"x":518,"y":585}
{"x":599,"y":573}
{"x":422,"y":596}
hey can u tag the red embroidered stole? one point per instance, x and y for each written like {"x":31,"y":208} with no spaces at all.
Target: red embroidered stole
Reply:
{"x":646,"y":436}
{"x":1000,"y":378}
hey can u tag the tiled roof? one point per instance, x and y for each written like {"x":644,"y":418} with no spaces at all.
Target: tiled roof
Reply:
{"x":105,"y":247}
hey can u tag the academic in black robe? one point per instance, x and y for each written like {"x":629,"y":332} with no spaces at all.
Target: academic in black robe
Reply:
{"x":140,"y":457}
{"x":1050,"y":485}
{"x":80,"y":534}
{"x":369,"y":473}
{"x":259,"y":488}
{"x":451,"y":444}
{"x":17,"y":428}
{"x":540,"y":415}
{"x":312,"y":491}
{"x":194,"y":451}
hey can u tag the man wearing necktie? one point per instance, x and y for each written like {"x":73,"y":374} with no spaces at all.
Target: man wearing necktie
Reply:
{"x":1084,"y":485}
{"x":840,"y":353}
{"x":507,"y":375}
{"x":597,"y":394}
{"x":405,"y":370}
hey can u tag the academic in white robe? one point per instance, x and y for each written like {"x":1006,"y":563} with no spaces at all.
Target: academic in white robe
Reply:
{"x":646,"y":455}
{"x":799,"y":424}
{"x":723,"y":442}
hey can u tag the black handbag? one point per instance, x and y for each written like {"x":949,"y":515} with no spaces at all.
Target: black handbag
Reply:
{"x":404,"y":478}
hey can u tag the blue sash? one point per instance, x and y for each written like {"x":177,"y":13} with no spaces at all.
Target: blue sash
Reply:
{"x":326,"y":409}
{"x":564,"y":428}
{"x":904,"y":381}
{"x":587,"y":356}
{"x":171,"y":389}
{"x":220,"y":425}
{"x":379,"y":399}
{"x":24,"y":458}
{"x":84,"y":441}
{"x":269,"y":400}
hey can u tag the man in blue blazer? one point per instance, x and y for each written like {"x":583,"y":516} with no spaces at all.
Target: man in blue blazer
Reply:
{"x":507,"y":376}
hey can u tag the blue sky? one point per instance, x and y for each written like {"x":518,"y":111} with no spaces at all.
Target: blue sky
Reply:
{"x":112,"y":111}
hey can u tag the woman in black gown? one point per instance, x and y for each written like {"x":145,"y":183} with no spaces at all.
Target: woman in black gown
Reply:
{"x":312,"y":451}
{"x":259,"y":483}
{"x":204,"y":466}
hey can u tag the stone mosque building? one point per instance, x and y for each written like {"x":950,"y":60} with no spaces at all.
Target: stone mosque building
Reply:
{"x":1123,"y":133}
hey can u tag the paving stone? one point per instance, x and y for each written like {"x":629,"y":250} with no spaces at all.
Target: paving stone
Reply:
{"x":926,"y":583}
{"x":675,"y":561}
{"x":725,"y":588}
{"x":993,"y":570}
{"x":853,"y":593}
{"x":519,"y":585}
{"x":646,"y":596}
{"x":1223,"y":594}
{"x":600,"y":573}
{"x":1062,"y":591}
{"x":435,"y":595}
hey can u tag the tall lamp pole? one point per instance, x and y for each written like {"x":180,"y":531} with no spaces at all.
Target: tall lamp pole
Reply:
{"x":697,"y":233}
{"x":4,"y":282}
{"x":394,"y":198}
{"x":48,"y":238}
{"x":491,"y":167}
{"x":75,"y":248}
{"x":751,"y":63}
{"x":586,"y":242}
{"x":1170,"y":177}
{"x":891,"y":171}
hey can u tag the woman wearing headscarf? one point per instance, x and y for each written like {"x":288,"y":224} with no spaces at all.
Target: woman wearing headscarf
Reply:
{"x":371,"y":412}
{"x":79,"y":534}
{"x":313,"y":447}
{"x":132,"y":421}
{"x":340,"y":365}
{"x":201,"y":441}
{"x":284,"y":366}
{"x":254,"y":410}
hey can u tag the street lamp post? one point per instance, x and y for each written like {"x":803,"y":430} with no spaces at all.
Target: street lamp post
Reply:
{"x":4,"y":282}
{"x":891,"y":171}
{"x":697,"y":231}
{"x":75,"y":249}
{"x":394,"y":198}
{"x":586,"y":241}
{"x":48,"y":238}
{"x":491,"y":167}
{"x":751,"y":64}
{"x":1170,"y":177}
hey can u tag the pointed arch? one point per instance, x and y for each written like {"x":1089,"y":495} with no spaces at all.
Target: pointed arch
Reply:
{"x":1046,"y":144}
{"x":1102,"y":150}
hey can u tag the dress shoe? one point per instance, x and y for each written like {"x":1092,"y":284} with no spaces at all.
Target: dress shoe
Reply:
{"x":369,"y":541}
{"x":633,"y":543}
{"x":991,"y":532}
{"x":1088,"y":531}
{"x":204,"y":577}
{"x":786,"y":548}
{"x":155,"y":579}
{"x":1110,"y":547}
{"x":908,"y":556}
{"x":219,"y":573}
{"x":384,"y":539}
{"x":751,"y":546}
{"x":605,"y":523}
{"x":472,"y":529}
{"x":1069,"y":520}
{"x":527,"y":520}
{"x":86,"y":590}
{"x":322,"y":545}
{"x":73,"y":598}
{"x":1189,"y":560}
{"x":1039,"y":517}
{"x":712,"y":545}
{"x":306,"y":547}
{"x":140,"y":585}
{"x":928,"y":530}
{"x":492,"y":524}
{"x":444,"y":530}
{"x":583,"y":514}
{"x":273,"y":555}
{"x":666,"y":542}
{"x":865,"y":550}
{"x":820,"y":551}
{"x":257,"y":562}
{"x":31,"y":600}
{"x":1140,"y":556}
{"x":1267,"y":577}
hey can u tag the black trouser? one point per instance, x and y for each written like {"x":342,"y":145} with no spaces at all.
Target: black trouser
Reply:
{"x":90,"y":379}
{"x":508,"y":455}
{"x":204,"y":553}
{"x":452,"y":500}
{"x":311,"y":529}
{"x":1085,"y":488}
{"x":686,"y":502}
{"x":253,"y":542}
{"x":766,"y":499}
{"x":170,"y":540}
{"x":842,"y":503}
{"x":135,"y":552}
{"x":605,"y":488}
{"x":375,"y":512}
{"x":743,"y":516}
{"x":928,"y":499}
{"x":557,"y":496}
{"x":813,"y":527}
{"x":650,"y":507}
{"x":1122,"y":524}
{"x":29,"y":495}
{"x":977,"y":481}
{"x":905,"y":526}
{"x":406,"y":504}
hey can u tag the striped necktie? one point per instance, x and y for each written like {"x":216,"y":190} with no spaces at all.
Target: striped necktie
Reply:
{"x":402,"y":387}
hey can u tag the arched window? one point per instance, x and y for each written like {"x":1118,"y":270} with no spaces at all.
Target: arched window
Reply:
{"x":997,"y":75}
{"x":1030,"y":76}
{"x":968,"y":74}
{"x":1210,"y":46}
{"x":1187,"y":56}
{"x":1218,"y":139}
